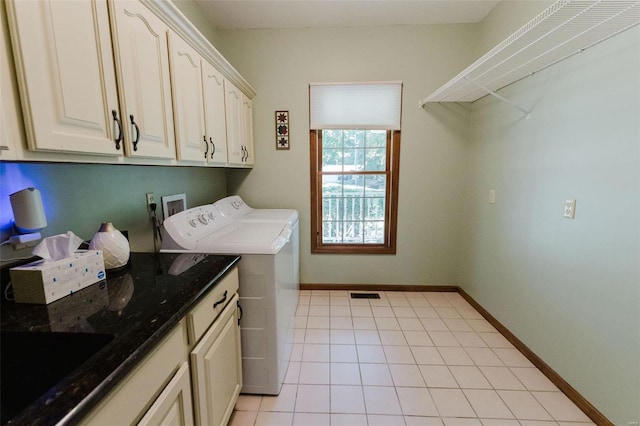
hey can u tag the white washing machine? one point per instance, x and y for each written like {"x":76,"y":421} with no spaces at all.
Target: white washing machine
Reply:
{"x":268,"y":274}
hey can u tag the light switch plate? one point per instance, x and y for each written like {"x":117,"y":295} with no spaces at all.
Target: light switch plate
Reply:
{"x":492,"y":196}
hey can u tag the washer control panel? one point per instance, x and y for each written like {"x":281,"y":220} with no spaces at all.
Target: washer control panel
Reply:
{"x":190,"y":226}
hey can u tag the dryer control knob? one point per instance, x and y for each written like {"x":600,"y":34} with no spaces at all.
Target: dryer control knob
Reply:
{"x":203,"y":219}
{"x":193,"y":223}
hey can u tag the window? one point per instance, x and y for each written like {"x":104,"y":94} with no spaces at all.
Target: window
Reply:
{"x":354,"y":172}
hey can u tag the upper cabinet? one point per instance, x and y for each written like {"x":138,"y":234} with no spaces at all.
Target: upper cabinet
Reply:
{"x":198,"y":104}
{"x":188,"y":106}
{"x":142,"y":60}
{"x":66,"y":76}
{"x":239,"y":114}
{"x":214,"y":114}
{"x":10,"y":133}
{"x":117,"y":81}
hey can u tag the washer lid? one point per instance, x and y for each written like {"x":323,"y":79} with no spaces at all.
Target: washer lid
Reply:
{"x":248,"y":238}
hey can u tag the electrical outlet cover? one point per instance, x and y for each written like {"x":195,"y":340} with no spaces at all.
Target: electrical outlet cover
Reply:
{"x":570,"y":209}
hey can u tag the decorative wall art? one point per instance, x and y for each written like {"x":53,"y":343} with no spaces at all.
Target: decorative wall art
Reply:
{"x":282,"y":129}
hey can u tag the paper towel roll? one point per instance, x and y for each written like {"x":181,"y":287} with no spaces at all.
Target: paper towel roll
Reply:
{"x":28,"y":210}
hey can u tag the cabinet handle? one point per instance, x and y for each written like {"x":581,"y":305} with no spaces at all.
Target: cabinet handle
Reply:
{"x":137,"y":139}
{"x":206,"y":146}
{"x":244,"y":153}
{"x":240,"y":315}
{"x":213,"y":147}
{"x":114,"y":113}
{"x":224,"y":299}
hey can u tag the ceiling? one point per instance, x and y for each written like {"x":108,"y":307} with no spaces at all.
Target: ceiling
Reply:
{"x":253,"y":14}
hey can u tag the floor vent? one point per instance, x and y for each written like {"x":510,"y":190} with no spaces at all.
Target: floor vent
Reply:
{"x":365,"y":296}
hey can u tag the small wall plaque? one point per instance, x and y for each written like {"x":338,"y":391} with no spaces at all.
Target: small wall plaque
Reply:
{"x":282,"y":129}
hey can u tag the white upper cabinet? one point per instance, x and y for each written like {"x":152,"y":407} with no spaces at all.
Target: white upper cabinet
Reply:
{"x":9,"y":107}
{"x":142,"y":58}
{"x":214,"y":110}
{"x":119,"y":81}
{"x":239,"y":127}
{"x":247,"y":127}
{"x":66,"y":77}
{"x":198,"y":104}
{"x":186,"y":83}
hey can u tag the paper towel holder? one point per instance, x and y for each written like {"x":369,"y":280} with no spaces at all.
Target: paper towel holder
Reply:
{"x":29,"y":216}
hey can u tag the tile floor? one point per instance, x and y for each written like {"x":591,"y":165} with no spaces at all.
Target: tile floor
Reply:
{"x":409,"y":358}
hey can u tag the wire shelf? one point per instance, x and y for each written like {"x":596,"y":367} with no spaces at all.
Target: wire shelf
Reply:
{"x":565,"y":28}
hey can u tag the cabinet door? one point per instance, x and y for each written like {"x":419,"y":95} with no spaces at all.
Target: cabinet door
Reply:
{"x":247,"y":128}
{"x":142,"y":57}
{"x":217,"y":369}
{"x":129,"y":401}
{"x":173,"y":406}
{"x":9,"y":105}
{"x":188,"y":109}
{"x":215,"y":126}
{"x":66,"y":75}
{"x":233,"y":108}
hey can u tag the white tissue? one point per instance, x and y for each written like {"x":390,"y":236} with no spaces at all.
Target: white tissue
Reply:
{"x":58,"y":247}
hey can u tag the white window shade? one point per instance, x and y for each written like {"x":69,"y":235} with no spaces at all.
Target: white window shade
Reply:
{"x":375,"y":106}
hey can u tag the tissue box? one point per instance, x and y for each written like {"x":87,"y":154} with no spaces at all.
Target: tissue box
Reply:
{"x":44,"y":282}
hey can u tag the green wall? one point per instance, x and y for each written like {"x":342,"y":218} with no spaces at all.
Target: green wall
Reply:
{"x":280,"y":64}
{"x":569,"y":289}
{"x":78,"y":197}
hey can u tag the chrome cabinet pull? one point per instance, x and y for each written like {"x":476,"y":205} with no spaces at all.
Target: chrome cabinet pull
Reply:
{"x":114,"y":113}
{"x":224,"y":299}
{"x":137,"y":138}
{"x":206,"y":146}
{"x":213,"y":147}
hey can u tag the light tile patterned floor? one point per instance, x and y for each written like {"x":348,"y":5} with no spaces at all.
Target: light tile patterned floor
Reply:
{"x":411,"y":359}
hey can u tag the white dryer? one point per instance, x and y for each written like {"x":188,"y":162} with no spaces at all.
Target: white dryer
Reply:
{"x":235,"y":207}
{"x":269,"y":282}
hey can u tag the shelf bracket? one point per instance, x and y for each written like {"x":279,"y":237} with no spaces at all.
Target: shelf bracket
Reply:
{"x":526,"y":113}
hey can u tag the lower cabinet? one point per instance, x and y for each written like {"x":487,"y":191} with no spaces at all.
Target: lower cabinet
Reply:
{"x":217,"y":370}
{"x":142,"y":389}
{"x":174,"y":405}
{"x":193,"y":376}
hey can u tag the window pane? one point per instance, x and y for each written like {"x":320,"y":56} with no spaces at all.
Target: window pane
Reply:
{"x":353,"y":209}
{"x":375,"y":185}
{"x":353,"y":232}
{"x":332,"y":208}
{"x":374,"y":232}
{"x":376,"y":138}
{"x":376,"y":159}
{"x":331,"y":232}
{"x":353,"y":160}
{"x":353,"y":175}
{"x":354,"y":138}
{"x":332,"y":160}
{"x":332,"y":186}
{"x":374,"y":208}
{"x":353,"y":186}
{"x":332,"y":138}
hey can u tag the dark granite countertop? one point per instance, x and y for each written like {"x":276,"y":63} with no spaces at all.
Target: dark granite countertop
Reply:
{"x":133,"y":309}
